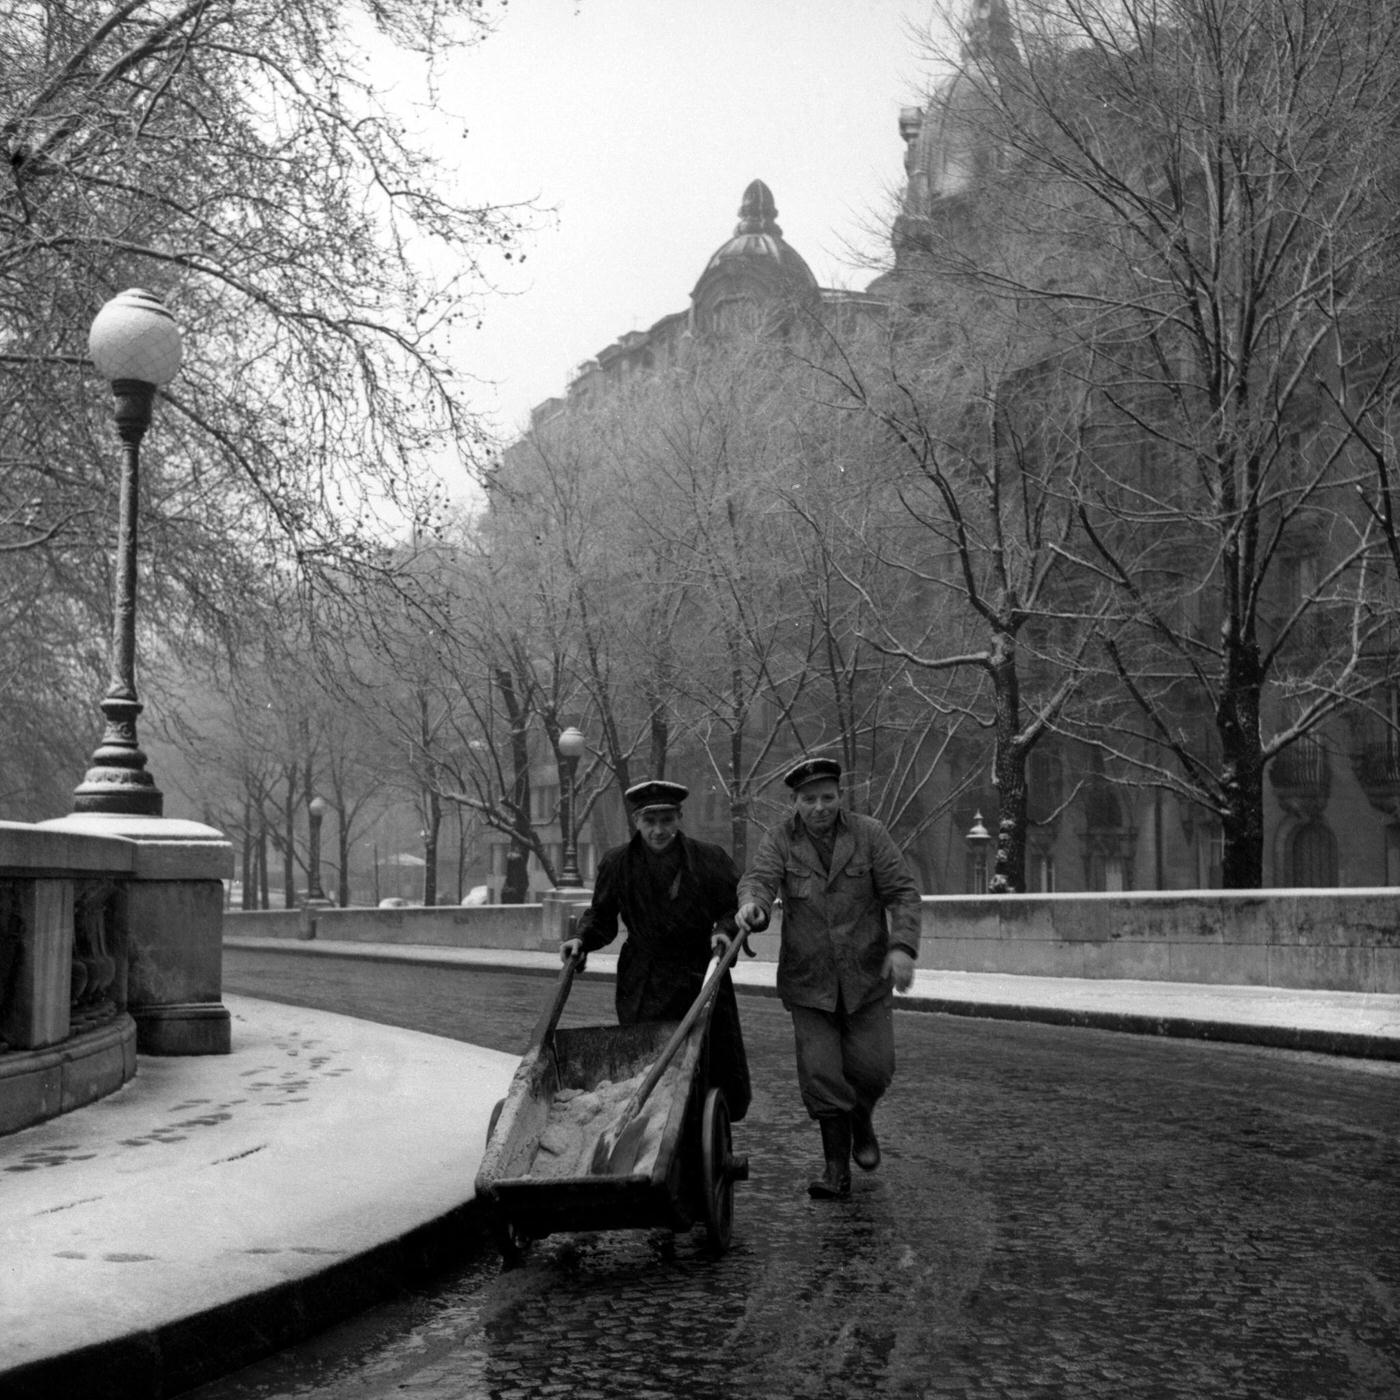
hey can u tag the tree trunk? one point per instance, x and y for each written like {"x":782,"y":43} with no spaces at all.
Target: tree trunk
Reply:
{"x":1009,"y":874}
{"x":264,"y":882}
{"x":289,"y":832}
{"x":342,"y":848}
{"x":516,"y":888}
{"x":430,"y":849}
{"x":461,"y":855}
{"x":248,"y":894}
{"x":738,"y":808}
{"x":1242,"y":684}
{"x":1008,"y":770}
{"x":739,"y":831}
{"x":1242,"y":770}
{"x":660,"y":740}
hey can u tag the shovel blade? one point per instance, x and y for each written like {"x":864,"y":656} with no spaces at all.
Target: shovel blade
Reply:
{"x":621,"y":1148}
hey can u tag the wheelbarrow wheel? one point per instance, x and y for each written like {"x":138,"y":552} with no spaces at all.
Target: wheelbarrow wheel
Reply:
{"x":720,"y":1169}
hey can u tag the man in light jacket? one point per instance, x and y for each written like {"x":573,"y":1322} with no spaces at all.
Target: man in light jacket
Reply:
{"x":850,"y":934}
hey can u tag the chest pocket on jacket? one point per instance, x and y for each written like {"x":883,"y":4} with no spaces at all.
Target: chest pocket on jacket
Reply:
{"x":797,"y":883}
{"x":856,"y":873}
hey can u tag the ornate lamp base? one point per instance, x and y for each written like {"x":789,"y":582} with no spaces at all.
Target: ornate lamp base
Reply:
{"x":116,"y":779}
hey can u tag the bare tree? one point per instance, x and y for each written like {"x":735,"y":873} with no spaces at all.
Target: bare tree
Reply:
{"x":237,"y":160}
{"x":1199,"y":195}
{"x":981,"y":441}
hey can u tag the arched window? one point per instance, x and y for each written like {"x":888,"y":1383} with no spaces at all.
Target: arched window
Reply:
{"x":1040,"y":864}
{"x":1392,"y":854}
{"x":1312,"y":856}
{"x":1109,"y":841}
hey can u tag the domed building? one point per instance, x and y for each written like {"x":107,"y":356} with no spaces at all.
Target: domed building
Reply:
{"x":948,"y":148}
{"x":948,"y":145}
{"x":755,"y":280}
{"x":754,"y":283}
{"x":1088,"y":829}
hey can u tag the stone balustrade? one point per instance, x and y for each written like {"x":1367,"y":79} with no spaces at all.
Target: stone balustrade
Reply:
{"x":110,"y":944}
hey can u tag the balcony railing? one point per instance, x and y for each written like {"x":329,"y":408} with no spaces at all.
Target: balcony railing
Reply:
{"x":1376,"y":766}
{"x":1302,"y":778}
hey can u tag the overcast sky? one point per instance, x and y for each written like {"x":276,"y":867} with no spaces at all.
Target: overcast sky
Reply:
{"x":639,"y":123}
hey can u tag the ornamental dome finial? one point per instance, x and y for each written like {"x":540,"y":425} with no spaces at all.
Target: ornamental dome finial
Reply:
{"x":755,"y":274}
{"x":757,"y":211}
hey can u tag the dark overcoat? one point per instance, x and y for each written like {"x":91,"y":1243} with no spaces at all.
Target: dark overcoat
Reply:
{"x":661,"y":967}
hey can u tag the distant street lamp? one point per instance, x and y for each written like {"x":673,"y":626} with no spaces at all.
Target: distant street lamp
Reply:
{"x":978,"y":838}
{"x":135,"y":344}
{"x":317,"y":807}
{"x":571,"y":746}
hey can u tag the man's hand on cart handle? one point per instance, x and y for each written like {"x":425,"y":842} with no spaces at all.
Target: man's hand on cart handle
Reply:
{"x":720,"y":940}
{"x":573,"y":948}
{"x":751,"y":918}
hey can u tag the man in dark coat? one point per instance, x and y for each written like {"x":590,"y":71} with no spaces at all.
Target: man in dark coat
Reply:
{"x":850,"y":934}
{"x":675,"y":895}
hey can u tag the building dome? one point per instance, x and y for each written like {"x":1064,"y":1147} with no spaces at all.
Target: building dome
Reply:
{"x":949,"y":142}
{"x":754,"y":274}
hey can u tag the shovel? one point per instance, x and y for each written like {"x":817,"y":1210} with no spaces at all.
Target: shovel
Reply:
{"x":618,"y":1145}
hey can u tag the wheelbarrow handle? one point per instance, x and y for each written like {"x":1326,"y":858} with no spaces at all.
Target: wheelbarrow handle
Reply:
{"x":719,"y":965}
{"x":614,"y":1154}
{"x":549,"y":1018}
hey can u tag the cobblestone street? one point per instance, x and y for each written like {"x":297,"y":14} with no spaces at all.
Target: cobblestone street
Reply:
{"x":1060,"y":1213}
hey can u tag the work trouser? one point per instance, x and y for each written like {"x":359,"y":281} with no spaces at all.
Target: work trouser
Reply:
{"x":844,"y":1058}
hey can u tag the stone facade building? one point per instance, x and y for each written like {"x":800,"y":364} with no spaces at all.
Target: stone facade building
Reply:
{"x":1332,"y":800}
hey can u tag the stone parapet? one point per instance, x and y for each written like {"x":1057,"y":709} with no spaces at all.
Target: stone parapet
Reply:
{"x":445,"y":926}
{"x":1332,"y":940}
{"x":170,"y":910}
{"x":1323,"y":940}
{"x":557,"y":910}
{"x":66,"y":1038}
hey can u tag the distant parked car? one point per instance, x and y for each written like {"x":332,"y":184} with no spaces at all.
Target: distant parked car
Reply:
{"x":478,"y":894}
{"x":395,"y":902}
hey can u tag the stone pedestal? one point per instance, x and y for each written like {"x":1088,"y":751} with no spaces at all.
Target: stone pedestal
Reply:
{"x":309,"y":914}
{"x":171,"y":910}
{"x":556,"y":908}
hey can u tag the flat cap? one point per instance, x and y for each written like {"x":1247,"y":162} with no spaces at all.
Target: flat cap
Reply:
{"x":809,"y":770}
{"x":642,"y":797}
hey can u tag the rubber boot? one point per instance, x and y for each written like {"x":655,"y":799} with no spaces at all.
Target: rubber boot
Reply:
{"x":865,"y":1146}
{"x":834,"y":1184}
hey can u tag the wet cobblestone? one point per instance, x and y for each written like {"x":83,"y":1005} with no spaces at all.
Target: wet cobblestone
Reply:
{"x":1060,"y":1214}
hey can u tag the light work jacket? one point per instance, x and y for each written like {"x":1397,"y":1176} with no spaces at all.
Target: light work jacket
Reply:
{"x":839,"y":924}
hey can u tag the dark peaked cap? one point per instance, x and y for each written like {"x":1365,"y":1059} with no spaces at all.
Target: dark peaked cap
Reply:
{"x":642,"y":797}
{"x":809,"y":770}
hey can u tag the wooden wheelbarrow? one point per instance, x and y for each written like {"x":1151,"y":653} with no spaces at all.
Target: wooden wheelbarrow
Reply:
{"x":665,"y":1160}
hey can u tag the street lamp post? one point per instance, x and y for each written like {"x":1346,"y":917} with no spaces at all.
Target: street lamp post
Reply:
{"x":135,"y":344}
{"x":978,"y":839}
{"x":317,"y":808}
{"x":571,"y":745}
